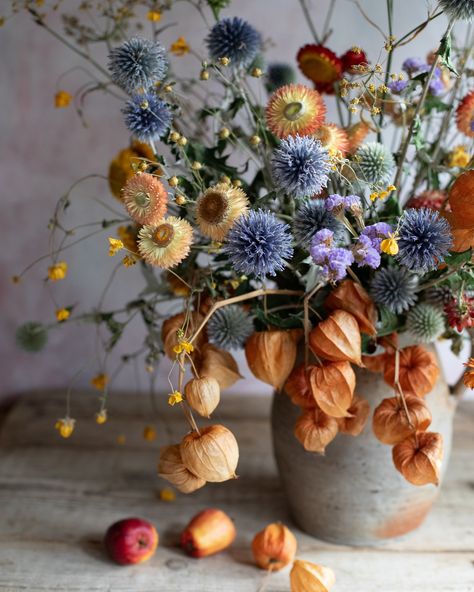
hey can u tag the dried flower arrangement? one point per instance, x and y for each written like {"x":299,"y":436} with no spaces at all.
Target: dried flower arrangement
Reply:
{"x":276,"y":230}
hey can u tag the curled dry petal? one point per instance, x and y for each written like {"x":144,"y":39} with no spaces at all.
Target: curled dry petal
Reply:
{"x":351,"y":297}
{"x":203,"y":394}
{"x":315,"y":430}
{"x":360,"y":411}
{"x":310,"y":577}
{"x":337,"y":339}
{"x":271,"y":355}
{"x":171,"y":468}
{"x":274,"y":547}
{"x":218,"y":363}
{"x":418,"y":372}
{"x":333,"y":386}
{"x":211,"y":455}
{"x":418,"y":458}
{"x":188,"y":323}
{"x":390,"y":422}
{"x":298,"y":387}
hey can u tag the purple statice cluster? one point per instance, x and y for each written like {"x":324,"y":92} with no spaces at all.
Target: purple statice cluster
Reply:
{"x":332,"y":259}
{"x":414,"y":67}
{"x":337,"y":203}
{"x":367,"y":249}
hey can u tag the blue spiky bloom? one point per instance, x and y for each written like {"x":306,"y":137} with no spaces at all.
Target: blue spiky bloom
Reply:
{"x":374,"y":163}
{"x":236,"y":39}
{"x":300,"y":166}
{"x":459,"y":9}
{"x":138,"y":64}
{"x":147,"y":116}
{"x":394,"y":288}
{"x":259,"y":244}
{"x":32,"y":336}
{"x":424,"y":239}
{"x":279,"y":75}
{"x":313,"y":216}
{"x":230,"y":327}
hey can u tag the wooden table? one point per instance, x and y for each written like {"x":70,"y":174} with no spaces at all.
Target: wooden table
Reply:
{"x":57,"y":497}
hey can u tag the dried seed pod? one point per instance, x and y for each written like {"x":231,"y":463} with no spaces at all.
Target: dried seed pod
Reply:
{"x":174,"y":324}
{"x":218,"y":363}
{"x":374,"y":363}
{"x":461,"y":200}
{"x":418,"y":458}
{"x":211,"y":455}
{"x":390,"y":422}
{"x":337,"y":339}
{"x":203,"y":394}
{"x":360,"y":411}
{"x":310,"y":577}
{"x":298,"y":387}
{"x":418,"y":371}
{"x":171,"y":468}
{"x":333,"y":385}
{"x":315,"y":430}
{"x":274,"y":547}
{"x":271,"y":355}
{"x":351,"y":297}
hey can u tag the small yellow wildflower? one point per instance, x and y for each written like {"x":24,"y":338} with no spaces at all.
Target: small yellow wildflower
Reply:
{"x":183,"y":346}
{"x":16,"y":279}
{"x":373,"y":196}
{"x":128,"y":261}
{"x":115,"y":245}
{"x":149,"y":433}
{"x":62,"y":314}
{"x":57,"y":271}
{"x":235,"y":284}
{"x":180,"y":47}
{"x":225,"y":179}
{"x":389,"y":245}
{"x":100,"y":381}
{"x":458,"y":157}
{"x":62,"y":99}
{"x":167,"y":495}
{"x":65,"y":426}
{"x":383,"y":194}
{"x":391,"y":188}
{"x":121,"y":439}
{"x":224,"y":61}
{"x":257,"y":73}
{"x":174,"y":397}
{"x":101,"y":416}
{"x":154,"y":16}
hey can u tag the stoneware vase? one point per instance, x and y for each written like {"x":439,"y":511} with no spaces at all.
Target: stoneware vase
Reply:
{"x":353,"y":494}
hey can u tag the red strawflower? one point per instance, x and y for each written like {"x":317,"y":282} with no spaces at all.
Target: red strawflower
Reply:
{"x":353,"y":57}
{"x":460,"y":313}
{"x":321,"y":66}
{"x":432,"y":199}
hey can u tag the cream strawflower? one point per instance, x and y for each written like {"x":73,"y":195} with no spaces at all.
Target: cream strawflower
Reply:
{"x":218,"y":208}
{"x":145,"y":198}
{"x":166,"y":243}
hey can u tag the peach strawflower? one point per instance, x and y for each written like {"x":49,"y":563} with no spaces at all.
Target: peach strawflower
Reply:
{"x":469,"y":374}
{"x":295,"y":109}
{"x":356,"y":135}
{"x":145,"y":198}
{"x":167,"y":243}
{"x":465,"y":115}
{"x":218,"y":208}
{"x":333,"y":138}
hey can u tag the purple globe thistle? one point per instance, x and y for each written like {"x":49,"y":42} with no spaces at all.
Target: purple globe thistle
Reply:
{"x":377,"y":233}
{"x":259,"y":244}
{"x":394,"y":288}
{"x":424,"y":239}
{"x":459,"y":9}
{"x":365,"y":253}
{"x":312,"y":217}
{"x":300,"y":166}
{"x":236,"y":39}
{"x":137,"y":63}
{"x":147,"y":116}
{"x":333,"y":261}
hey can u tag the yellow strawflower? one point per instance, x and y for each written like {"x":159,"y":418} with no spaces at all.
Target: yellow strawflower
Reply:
{"x":115,"y":245}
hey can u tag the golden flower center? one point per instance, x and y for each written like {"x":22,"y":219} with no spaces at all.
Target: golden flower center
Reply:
{"x":213,"y":207}
{"x":142,"y":199}
{"x":163,"y":235}
{"x":293,"y":111}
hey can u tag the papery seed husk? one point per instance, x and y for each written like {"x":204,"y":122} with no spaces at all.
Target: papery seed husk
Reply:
{"x":333,"y":387}
{"x":419,"y":457}
{"x":337,"y":338}
{"x":203,"y":394}
{"x":359,"y":411}
{"x":311,"y":577}
{"x":171,"y":468}
{"x":298,"y":387}
{"x":218,"y":363}
{"x":351,"y":297}
{"x":390,"y":422}
{"x":176,"y":322}
{"x":418,"y":371}
{"x":315,"y":430}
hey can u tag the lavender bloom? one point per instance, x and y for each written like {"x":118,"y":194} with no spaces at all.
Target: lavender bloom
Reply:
{"x":436,"y":85}
{"x":365,"y":253}
{"x":398,"y":86}
{"x":333,"y":261}
{"x":377,"y":233}
{"x":414,"y":66}
{"x":350,"y":202}
{"x":333,"y":202}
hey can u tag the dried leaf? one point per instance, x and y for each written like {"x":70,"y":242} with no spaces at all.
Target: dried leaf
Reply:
{"x":337,"y":339}
{"x":418,"y":458}
{"x":333,"y":385}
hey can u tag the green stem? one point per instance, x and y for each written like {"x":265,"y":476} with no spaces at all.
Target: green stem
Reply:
{"x":389,"y":65}
{"x":309,"y":21}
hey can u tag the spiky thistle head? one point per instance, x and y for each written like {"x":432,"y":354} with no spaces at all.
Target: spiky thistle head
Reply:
{"x":147,"y":116}
{"x":394,"y":288}
{"x":462,"y":10}
{"x":279,"y":75}
{"x":230,"y":327}
{"x":235,"y":39}
{"x":425,"y":322}
{"x":137,"y":64}
{"x":310,"y":218}
{"x":32,"y":336}
{"x":374,"y":163}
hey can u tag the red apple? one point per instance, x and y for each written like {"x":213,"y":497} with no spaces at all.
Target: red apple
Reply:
{"x":209,"y":532}
{"x":132,"y":540}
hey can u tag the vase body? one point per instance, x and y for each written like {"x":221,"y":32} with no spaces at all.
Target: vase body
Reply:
{"x":353,"y":494}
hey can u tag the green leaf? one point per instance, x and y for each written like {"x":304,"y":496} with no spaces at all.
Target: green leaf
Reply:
{"x":418,"y":138}
{"x":435,"y":104}
{"x":457,"y":259}
{"x":284,"y":321}
{"x":444,"y":53}
{"x":216,"y":6}
{"x":387,"y":323}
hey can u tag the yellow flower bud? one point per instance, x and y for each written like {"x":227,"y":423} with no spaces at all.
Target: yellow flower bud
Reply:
{"x":173,"y":181}
{"x":224,"y":61}
{"x":204,"y":75}
{"x":257,"y":73}
{"x":174,"y":136}
{"x":101,"y":416}
{"x":224,"y":133}
{"x":62,"y":314}
{"x":57,"y":271}
{"x":167,"y":495}
{"x":180,"y":200}
{"x":255,"y":140}
{"x":100,"y":381}
{"x":149,"y":433}
{"x":153,"y":15}
{"x":62,"y":99}
{"x":182,"y":141}
{"x":65,"y":426}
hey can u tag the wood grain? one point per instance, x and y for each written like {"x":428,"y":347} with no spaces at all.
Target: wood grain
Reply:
{"x":58,"y":497}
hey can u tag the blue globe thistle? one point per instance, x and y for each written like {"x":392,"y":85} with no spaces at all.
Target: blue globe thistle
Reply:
{"x":424,"y":239}
{"x":313,"y":216}
{"x":31,"y":336}
{"x":279,"y":75}
{"x":374,"y":163}
{"x":147,"y":116}
{"x":300,"y":166}
{"x":230,"y":327}
{"x":394,"y":288}
{"x":259,"y":244}
{"x":137,"y":64}
{"x":425,"y":322}
{"x":459,"y":9}
{"x":234,"y":38}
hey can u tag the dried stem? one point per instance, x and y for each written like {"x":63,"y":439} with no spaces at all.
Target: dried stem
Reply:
{"x":307,"y":326}
{"x":399,"y":389}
